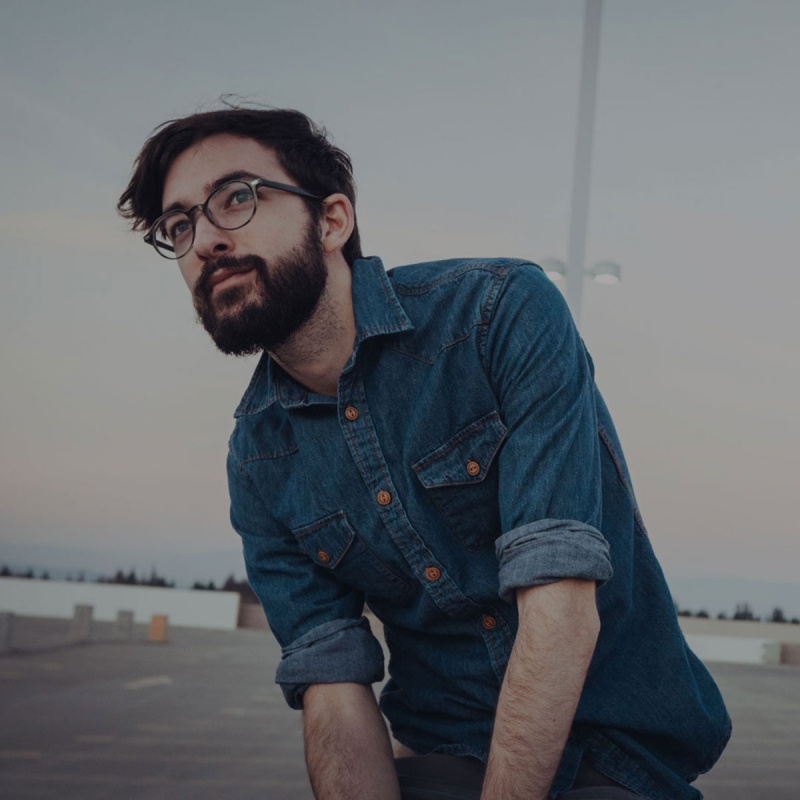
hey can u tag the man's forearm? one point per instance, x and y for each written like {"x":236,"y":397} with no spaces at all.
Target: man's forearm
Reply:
{"x":348,"y":753}
{"x":556,"y":637}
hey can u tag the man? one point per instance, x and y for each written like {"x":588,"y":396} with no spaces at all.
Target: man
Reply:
{"x":430,"y":440}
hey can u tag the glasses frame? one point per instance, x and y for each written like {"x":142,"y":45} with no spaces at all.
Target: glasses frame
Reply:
{"x":191,"y":213}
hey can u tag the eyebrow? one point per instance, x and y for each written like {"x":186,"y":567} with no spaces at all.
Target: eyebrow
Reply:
{"x":238,"y":174}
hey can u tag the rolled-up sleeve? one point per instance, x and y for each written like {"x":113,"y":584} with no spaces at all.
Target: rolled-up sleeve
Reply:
{"x":548,"y":551}
{"x":316,"y":619}
{"x":340,"y":651}
{"x":550,"y":483}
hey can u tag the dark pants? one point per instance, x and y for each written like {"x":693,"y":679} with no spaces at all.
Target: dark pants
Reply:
{"x":440,"y":777}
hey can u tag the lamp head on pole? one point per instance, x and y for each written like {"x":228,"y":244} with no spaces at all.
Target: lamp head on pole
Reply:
{"x":606,"y":272}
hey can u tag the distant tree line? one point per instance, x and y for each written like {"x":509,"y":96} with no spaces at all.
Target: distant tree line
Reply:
{"x":131,"y":579}
{"x":5,"y":572}
{"x":743,"y":612}
{"x":121,"y":577}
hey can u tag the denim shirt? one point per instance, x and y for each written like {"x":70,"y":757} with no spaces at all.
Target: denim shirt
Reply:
{"x":468,"y":453}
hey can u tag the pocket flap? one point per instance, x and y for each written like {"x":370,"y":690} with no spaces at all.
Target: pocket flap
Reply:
{"x":464,"y":458}
{"x":326,"y":540}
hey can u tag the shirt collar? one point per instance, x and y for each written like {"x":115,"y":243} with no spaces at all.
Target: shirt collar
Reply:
{"x":377,"y":312}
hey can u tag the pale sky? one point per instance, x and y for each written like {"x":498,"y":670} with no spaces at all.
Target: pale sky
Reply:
{"x":460,"y":119}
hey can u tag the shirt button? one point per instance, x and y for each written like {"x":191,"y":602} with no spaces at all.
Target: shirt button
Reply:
{"x":384,"y":498}
{"x":323,"y":557}
{"x":473,"y":467}
{"x":489,"y":622}
{"x":351,"y":412}
{"x":433,"y":573}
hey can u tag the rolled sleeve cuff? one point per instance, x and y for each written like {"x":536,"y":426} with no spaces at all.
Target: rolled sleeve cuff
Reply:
{"x":551,"y":550}
{"x":341,"y":651}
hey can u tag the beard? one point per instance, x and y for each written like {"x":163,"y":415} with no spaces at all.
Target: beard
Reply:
{"x":279,"y":299}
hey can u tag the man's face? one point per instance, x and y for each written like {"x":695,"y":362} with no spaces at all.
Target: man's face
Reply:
{"x":255,"y":286}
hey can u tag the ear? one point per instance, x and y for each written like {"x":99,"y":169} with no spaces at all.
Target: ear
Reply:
{"x":337,"y":222}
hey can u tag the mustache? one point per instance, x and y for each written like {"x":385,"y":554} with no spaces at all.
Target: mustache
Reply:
{"x":232,"y":264}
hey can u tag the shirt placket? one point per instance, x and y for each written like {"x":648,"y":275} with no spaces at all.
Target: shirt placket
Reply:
{"x":362,"y":441}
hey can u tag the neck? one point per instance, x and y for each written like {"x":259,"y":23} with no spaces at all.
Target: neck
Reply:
{"x":316,"y":354}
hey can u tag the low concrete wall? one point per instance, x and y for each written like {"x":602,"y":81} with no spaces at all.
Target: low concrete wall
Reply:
{"x":193,"y":608}
{"x":735,"y":650}
{"x":742,"y":641}
{"x":747,"y":629}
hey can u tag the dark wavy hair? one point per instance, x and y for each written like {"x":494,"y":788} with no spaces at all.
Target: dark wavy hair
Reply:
{"x":302,"y":147}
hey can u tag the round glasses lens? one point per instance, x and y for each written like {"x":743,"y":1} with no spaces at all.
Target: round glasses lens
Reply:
{"x":174,"y":234}
{"x":232,"y":205}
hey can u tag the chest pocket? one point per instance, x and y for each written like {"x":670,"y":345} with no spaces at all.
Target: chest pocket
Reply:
{"x":461,"y":478}
{"x":331,"y":543}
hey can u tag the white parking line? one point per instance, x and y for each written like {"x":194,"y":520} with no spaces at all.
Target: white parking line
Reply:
{"x":148,"y":683}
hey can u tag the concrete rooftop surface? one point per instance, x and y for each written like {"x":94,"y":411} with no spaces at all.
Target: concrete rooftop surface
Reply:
{"x":200,"y":717}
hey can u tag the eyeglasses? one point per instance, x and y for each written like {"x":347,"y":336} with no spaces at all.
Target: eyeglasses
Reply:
{"x":230,"y":207}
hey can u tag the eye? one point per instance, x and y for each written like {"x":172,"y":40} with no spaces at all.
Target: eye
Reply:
{"x":231,"y":205}
{"x":236,"y":196}
{"x":178,"y":228}
{"x":240,"y":196}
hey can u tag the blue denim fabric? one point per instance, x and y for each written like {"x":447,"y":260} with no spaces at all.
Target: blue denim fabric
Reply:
{"x":481,"y":448}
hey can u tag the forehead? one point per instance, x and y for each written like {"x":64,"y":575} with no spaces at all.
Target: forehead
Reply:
{"x":189,"y":179}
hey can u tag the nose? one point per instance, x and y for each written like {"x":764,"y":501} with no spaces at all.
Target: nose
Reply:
{"x":209,"y":240}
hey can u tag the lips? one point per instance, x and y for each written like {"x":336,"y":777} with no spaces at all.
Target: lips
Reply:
{"x":221,"y":275}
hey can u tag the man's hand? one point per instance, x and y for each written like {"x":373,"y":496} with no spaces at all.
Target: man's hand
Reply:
{"x":348,"y":753}
{"x":558,"y":629}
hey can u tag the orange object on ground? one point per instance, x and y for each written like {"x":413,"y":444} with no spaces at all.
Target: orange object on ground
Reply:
{"x":158,"y":628}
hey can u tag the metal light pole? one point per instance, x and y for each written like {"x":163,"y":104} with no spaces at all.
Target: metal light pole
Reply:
{"x":579,"y":219}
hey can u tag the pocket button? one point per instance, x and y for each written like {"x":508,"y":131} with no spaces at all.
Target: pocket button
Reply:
{"x":473,"y":468}
{"x":323,"y":557}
